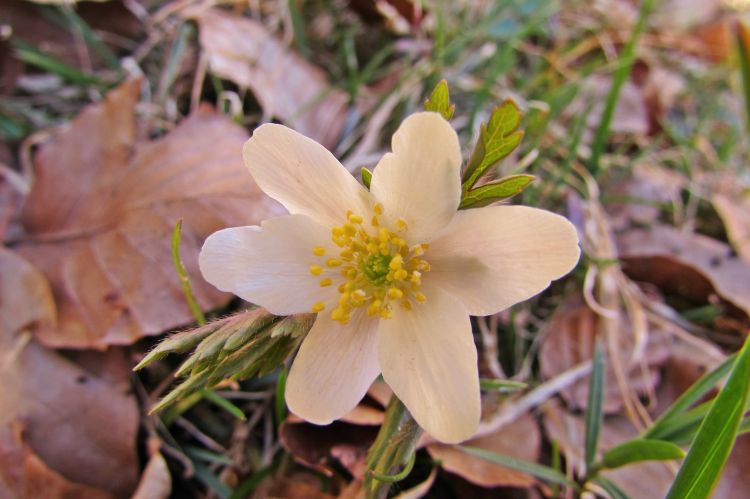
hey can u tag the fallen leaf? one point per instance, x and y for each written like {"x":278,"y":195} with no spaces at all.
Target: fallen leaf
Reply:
{"x":734,"y":210}
{"x":100,"y":214}
{"x":23,"y":475}
{"x":519,"y":439}
{"x":82,"y":427}
{"x":687,"y":264}
{"x":285,"y":84}
{"x":569,"y":341}
{"x":314,"y":445}
{"x":156,"y":482}
{"x":647,"y":192}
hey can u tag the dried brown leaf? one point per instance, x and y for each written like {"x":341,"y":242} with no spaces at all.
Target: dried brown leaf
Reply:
{"x":101,"y":210}
{"x":287,"y":86}
{"x":569,"y":341}
{"x":23,"y":475}
{"x":81,"y":425}
{"x":689,"y":265}
{"x":520,"y":439}
{"x":734,"y":210}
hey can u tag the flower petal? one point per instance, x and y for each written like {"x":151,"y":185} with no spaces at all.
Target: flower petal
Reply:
{"x":420,"y":180}
{"x":428,"y":358}
{"x":270,"y":265}
{"x":494,"y":257}
{"x":335,"y":366}
{"x":303,"y":175}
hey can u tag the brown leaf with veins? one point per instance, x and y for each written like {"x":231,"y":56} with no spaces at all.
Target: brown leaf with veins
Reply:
{"x":81,"y":426}
{"x":519,"y":439}
{"x":284,"y":83}
{"x":102,"y":208}
{"x":687,"y":264}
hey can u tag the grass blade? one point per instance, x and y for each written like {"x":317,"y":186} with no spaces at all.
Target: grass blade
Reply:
{"x":715,"y":438}
{"x":595,"y":404}
{"x":697,"y":390}
{"x":640,"y":449}
{"x":624,"y":64}
{"x":184,"y":279}
{"x":540,"y":471}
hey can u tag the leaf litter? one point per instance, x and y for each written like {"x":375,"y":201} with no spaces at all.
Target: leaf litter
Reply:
{"x":89,"y":262}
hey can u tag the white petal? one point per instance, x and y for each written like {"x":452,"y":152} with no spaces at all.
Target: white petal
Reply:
{"x":303,"y":175}
{"x":494,"y":257}
{"x":333,"y":369}
{"x":428,"y":358}
{"x":270,"y":265}
{"x":420,"y":180}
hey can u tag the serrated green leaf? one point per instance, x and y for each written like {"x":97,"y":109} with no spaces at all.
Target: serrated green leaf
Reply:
{"x":497,"y":139}
{"x":537,"y":470}
{"x":440,"y":101}
{"x":715,"y":438}
{"x":495,"y":191}
{"x":366,"y":177}
{"x":640,"y":449}
{"x":595,"y":404}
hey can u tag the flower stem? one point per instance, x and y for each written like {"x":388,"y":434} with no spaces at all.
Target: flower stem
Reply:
{"x":392,"y":450}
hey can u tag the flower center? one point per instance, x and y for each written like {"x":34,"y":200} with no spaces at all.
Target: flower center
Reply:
{"x":375,"y":268}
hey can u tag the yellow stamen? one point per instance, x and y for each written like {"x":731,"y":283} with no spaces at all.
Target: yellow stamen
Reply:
{"x":319,"y":251}
{"x":378,"y":209}
{"x":318,"y":307}
{"x":326,"y":282}
{"x":355,"y":219}
{"x":401,"y":225}
{"x":333,"y":262}
{"x":316,"y":269}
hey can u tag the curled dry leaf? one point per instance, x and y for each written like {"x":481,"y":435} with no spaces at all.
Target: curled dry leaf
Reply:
{"x":156,"y":482}
{"x":82,"y":426}
{"x":101,"y":210}
{"x":686,"y":264}
{"x":520,"y":439}
{"x":569,"y":341}
{"x":285,"y":84}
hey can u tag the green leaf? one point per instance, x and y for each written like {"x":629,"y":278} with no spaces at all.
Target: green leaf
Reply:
{"x":440,"y":101}
{"x":182,"y":273}
{"x":715,"y":438}
{"x":595,"y":404}
{"x":640,"y":449}
{"x":537,"y":470}
{"x":665,"y":423}
{"x":497,"y":139}
{"x":220,"y":401}
{"x":366,"y":177}
{"x":611,"y":488}
{"x":495,"y":191}
{"x":501,"y":385}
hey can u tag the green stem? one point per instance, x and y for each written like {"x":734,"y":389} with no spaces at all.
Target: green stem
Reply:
{"x":393,"y":448}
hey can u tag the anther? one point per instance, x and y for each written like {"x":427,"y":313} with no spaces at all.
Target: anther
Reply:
{"x":319,"y":251}
{"x":318,"y":307}
{"x":395,"y":293}
{"x":316,"y":269}
{"x":355,"y":219}
{"x":401,"y":225}
{"x":325,"y":282}
{"x":333,"y":262}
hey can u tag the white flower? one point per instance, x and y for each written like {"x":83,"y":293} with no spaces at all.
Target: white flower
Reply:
{"x":394,"y":273}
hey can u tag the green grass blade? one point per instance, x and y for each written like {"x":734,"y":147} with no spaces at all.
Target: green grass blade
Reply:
{"x":743,"y":47}
{"x":640,"y":449}
{"x":220,"y":401}
{"x":624,"y":65}
{"x":697,"y":390}
{"x":595,"y":405}
{"x":35,"y":57}
{"x":611,"y":488}
{"x":715,"y":438}
{"x":184,"y":279}
{"x":540,"y":471}
{"x":501,"y":385}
